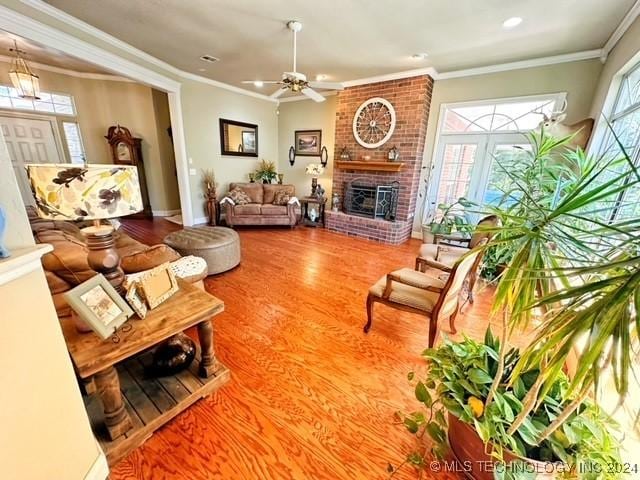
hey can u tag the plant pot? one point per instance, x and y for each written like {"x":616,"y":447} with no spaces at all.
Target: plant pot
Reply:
{"x":427,"y":236}
{"x":470,"y":452}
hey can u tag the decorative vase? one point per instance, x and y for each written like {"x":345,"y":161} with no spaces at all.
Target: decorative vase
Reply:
{"x":211,"y":208}
{"x":173,"y":356}
{"x":335,"y":202}
{"x":4,"y":252}
{"x":252,"y":178}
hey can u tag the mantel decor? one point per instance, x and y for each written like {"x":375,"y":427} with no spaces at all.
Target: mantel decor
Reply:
{"x":127,"y":150}
{"x":370,"y":166}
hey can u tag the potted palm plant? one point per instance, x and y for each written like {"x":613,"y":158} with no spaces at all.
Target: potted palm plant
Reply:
{"x":266,"y":171}
{"x":574,"y":272}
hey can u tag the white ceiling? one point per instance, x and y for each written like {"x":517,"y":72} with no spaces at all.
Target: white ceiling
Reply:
{"x":34,"y":52}
{"x":349,"y":39}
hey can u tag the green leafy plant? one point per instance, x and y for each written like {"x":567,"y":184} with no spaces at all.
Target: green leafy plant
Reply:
{"x":458,"y":380}
{"x":266,"y":171}
{"x":452,"y":218}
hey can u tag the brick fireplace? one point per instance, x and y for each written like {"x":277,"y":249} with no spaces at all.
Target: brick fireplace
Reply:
{"x":411,"y":98}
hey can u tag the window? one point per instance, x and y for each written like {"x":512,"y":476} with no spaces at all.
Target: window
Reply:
{"x":74,"y":142}
{"x":57,"y":103}
{"x":625,"y":122}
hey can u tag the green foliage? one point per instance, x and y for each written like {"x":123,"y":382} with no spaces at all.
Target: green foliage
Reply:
{"x":266,"y":171}
{"x":458,"y":379}
{"x":452,"y":218}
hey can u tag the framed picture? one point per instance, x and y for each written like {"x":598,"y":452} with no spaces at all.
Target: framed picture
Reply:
{"x":158,"y":284}
{"x":99,"y":305}
{"x":308,"y":142}
{"x":136,"y":300}
{"x":248,"y":141}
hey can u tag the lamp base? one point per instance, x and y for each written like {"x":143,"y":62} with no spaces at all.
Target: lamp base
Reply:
{"x":314,"y":186}
{"x":103,"y":256}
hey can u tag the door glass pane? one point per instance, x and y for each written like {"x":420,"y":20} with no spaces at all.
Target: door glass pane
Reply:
{"x":457,"y":165}
{"x":499,"y":183}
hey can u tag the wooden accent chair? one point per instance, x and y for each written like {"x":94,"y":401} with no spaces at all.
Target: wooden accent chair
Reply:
{"x":443,"y":256}
{"x":418,"y":292}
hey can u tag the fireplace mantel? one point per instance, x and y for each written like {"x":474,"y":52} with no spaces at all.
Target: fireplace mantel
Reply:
{"x":370,"y":166}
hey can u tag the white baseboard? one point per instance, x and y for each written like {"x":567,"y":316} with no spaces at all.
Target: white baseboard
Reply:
{"x":99,"y":470}
{"x":165,"y":213}
{"x":200,"y":220}
{"x":417,"y":234}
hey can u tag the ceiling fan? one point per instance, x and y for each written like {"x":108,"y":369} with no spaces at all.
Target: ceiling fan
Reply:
{"x":296,"y":81}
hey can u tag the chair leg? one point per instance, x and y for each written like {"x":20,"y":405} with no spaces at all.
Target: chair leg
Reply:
{"x":473,"y":276}
{"x":370,"y":300}
{"x":433,"y":329}
{"x":418,"y":269}
{"x":452,"y":320}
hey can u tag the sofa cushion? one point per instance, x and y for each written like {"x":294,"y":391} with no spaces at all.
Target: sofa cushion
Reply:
{"x":248,"y":209}
{"x":148,"y":259}
{"x":239,"y":196}
{"x":270,"y":209}
{"x":270,"y":191}
{"x":282,"y":198}
{"x":254,"y":190}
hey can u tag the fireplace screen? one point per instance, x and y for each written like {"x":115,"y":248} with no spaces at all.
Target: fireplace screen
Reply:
{"x":373,"y":201}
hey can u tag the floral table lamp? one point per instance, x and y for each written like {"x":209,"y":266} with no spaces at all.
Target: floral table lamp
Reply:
{"x":316,"y":170}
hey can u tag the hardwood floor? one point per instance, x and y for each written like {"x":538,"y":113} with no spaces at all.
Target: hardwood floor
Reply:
{"x":311,"y":396}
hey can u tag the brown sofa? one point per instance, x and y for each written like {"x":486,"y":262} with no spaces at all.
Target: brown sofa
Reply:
{"x":261,"y":210}
{"x":66,"y":266}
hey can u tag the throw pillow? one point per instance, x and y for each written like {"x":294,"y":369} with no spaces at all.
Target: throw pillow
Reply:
{"x":148,"y":259}
{"x":281,"y":197}
{"x":239,"y":197}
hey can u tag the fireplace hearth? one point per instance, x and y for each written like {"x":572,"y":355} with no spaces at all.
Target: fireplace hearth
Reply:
{"x":372,"y":201}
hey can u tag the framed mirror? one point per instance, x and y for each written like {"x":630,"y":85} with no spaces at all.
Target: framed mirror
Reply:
{"x":238,"y":138}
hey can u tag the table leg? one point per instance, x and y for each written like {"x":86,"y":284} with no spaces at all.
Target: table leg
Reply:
{"x":208,"y":362}
{"x":116,"y":417}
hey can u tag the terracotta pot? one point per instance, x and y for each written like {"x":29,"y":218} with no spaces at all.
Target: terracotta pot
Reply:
{"x":469,"y":450}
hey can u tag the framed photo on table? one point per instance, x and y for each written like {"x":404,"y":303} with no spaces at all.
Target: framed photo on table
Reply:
{"x":158,"y":284}
{"x":308,"y":142}
{"x":136,"y":300}
{"x":99,"y":305}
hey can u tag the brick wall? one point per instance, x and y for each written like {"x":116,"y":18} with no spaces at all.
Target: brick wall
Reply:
{"x":410,"y":98}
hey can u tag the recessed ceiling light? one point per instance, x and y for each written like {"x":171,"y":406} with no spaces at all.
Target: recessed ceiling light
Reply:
{"x":419,"y":56}
{"x":258,"y":83}
{"x":320,"y":77}
{"x":209,"y":58}
{"x":512,"y":22}
{"x":202,"y":69}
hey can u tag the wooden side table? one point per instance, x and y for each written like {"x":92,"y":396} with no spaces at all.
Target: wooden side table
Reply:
{"x":133,"y":405}
{"x":309,"y":205}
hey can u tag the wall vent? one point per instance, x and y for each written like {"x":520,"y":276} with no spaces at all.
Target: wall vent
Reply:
{"x":209,"y":58}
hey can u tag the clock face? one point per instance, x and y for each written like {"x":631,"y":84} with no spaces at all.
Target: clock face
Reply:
{"x":374,"y":122}
{"x":124,"y":154}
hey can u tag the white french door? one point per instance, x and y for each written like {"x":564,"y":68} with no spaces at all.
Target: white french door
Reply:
{"x":467,"y":166}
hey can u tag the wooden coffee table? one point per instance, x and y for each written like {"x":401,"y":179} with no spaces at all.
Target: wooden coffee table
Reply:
{"x":131,"y":411}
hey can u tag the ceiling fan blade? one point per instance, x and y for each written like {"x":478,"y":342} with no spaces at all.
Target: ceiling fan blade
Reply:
{"x":329,"y":85}
{"x":313,"y":95}
{"x":263,"y":81}
{"x":279,"y":92}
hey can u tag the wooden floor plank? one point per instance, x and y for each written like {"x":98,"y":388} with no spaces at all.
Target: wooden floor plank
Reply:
{"x":311,"y":395}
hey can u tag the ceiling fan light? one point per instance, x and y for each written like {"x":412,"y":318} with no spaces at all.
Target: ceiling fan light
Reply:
{"x":23,"y":79}
{"x":512,"y":22}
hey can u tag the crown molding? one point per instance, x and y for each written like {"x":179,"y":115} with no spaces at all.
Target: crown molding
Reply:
{"x":617,"y":34}
{"x":71,"y":73}
{"x":226,"y":86}
{"x":300,"y":98}
{"x":534,"y":62}
{"x":392,"y":76}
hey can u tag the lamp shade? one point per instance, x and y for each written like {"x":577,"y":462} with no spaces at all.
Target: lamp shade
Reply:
{"x":314,"y":169}
{"x":84,"y":192}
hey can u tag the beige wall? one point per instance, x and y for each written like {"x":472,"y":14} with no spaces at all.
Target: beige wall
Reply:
{"x":102,"y":103}
{"x":306,"y":115}
{"x":45,"y":431}
{"x":202,"y":106}
{"x":577,"y":79}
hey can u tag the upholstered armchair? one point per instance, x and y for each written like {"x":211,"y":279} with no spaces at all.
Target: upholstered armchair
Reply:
{"x":417,"y":292}
{"x":443,"y":256}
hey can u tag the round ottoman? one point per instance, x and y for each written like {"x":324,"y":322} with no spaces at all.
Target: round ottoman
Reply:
{"x":218,"y":246}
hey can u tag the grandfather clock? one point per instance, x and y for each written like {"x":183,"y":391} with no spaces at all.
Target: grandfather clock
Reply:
{"x":126,"y":150}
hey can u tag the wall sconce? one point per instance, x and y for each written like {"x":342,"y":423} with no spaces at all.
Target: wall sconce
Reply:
{"x":292,"y":156}
{"x":344,"y":154}
{"x":394,"y":154}
{"x":324,"y":156}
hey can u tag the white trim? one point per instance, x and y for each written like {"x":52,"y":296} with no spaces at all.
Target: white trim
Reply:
{"x":100,"y":468}
{"x":165,"y":213}
{"x":22,"y":261}
{"x":299,"y":98}
{"x":393,"y":76}
{"x":200,"y":220}
{"x":180,"y":150}
{"x":534,"y":62}
{"x":226,"y":86}
{"x":71,"y":73}
{"x":620,"y":30}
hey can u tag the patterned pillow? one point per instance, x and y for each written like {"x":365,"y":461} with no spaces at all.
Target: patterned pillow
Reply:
{"x":281,"y":197}
{"x":239,"y":197}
